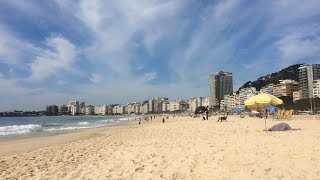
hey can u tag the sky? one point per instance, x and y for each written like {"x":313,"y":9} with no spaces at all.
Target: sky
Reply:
{"x":120,"y":51}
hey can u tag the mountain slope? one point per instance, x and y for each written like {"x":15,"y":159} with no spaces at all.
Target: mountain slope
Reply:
{"x":291,"y":72}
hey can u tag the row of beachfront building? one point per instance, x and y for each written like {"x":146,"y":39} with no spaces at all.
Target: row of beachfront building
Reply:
{"x":222,"y":97}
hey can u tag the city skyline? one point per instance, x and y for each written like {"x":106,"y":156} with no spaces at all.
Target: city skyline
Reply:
{"x":220,"y":91}
{"x":121,"y":51}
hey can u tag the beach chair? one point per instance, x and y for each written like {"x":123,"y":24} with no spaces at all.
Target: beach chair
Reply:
{"x":280,"y":114}
{"x":277,"y":115}
{"x":289,"y":115}
{"x":286,"y":115}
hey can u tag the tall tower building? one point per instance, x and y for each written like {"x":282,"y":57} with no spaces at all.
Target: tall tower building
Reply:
{"x":220,"y":84}
{"x":307,"y":74}
{"x":74,"y":103}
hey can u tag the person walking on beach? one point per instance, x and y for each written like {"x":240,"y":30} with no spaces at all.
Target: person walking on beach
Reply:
{"x":163,"y":120}
{"x":207,"y":112}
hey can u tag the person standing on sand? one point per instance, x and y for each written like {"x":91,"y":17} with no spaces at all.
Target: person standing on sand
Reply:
{"x":207,"y":112}
{"x":163,"y":120}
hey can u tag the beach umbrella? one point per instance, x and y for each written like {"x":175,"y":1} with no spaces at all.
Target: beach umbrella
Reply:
{"x":200,"y":110}
{"x":237,"y":110}
{"x":261,"y":101}
{"x":272,"y":108}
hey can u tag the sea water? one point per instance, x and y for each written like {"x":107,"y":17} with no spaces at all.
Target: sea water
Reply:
{"x":19,"y":126}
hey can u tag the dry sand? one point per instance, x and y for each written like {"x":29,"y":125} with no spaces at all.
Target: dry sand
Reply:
{"x":181,"y":148}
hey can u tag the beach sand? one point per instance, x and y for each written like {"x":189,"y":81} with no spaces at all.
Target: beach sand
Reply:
{"x":181,"y":148}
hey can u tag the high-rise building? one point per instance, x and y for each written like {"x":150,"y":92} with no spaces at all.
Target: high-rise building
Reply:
{"x":165,"y":106}
{"x":145,"y":107}
{"x":74,"y":103}
{"x":82,"y":105}
{"x":52,"y":110}
{"x":89,"y":110}
{"x":220,"y":84}
{"x":155,"y":104}
{"x":307,"y":74}
{"x":62,"y":109}
{"x":75,"y":110}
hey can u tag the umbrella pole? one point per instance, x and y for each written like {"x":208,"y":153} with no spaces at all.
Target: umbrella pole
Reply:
{"x":265,"y":120}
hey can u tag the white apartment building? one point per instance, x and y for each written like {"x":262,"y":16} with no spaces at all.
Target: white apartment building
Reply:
{"x":137,"y":108}
{"x":103,"y":110}
{"x":74,"y":110}
{"x":97,"y":110}
{"x":89,"y":110}
{"x":296,"y":95}
{"x":223,"y":104}
{"x":73,"y":103}
{"x":119,"y":109}
{"x":267,"y":89}
{"x":126,"y":109}
{"x":174,"y":105}
{"x":307,"y":75}
{"x":316,"y":88}
{"x":205,"y":101}
{"x":145,"y":108}
{"x":230,"y":102}
{"x":196,"y":102}
{"x":165,"y":106}
{"x":244,"y":94}
{"x":193,"y":104}
{"x":285,"y":88}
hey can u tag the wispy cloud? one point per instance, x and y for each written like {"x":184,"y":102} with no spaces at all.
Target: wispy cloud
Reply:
{"x":129,"y":51}
{"x":59,"y":55}
{"x":95,"y":78}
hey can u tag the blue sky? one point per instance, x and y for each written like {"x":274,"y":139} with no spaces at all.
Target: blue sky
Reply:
{"x":119,"y":51}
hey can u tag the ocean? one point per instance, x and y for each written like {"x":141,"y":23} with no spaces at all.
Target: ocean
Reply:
{"x":21,"y":126}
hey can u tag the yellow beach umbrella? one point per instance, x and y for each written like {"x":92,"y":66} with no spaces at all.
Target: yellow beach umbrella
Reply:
{"x":261,"y":101}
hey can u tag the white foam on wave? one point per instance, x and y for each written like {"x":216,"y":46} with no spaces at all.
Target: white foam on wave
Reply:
{"x":123,"y":119}
{"x":83,"y":123}
{"x":17,"y":129}
{"x":65,"y":128}
{"x":106,"y":120}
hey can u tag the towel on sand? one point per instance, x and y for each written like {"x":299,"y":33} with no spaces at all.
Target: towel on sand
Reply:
{"x":280,"y":127}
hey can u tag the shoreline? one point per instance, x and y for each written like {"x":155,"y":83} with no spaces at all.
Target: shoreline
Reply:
{"x":49,"y":127}
{"x":30,"y":142}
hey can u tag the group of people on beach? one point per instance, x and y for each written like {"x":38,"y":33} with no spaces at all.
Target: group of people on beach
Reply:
{"x":154,"y":117}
